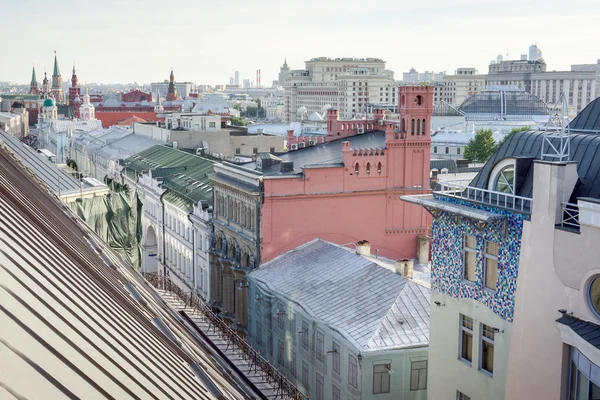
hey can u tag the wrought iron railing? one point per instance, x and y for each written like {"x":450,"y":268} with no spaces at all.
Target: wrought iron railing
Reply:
{"x":463,"y":191}
{"x":570,"y":216}
{"x":258,"y":364}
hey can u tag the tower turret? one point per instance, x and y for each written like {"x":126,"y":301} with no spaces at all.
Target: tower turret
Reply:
{"x":33,"y":86}
{"x":74,"y":77}
{"x":172,"y":92}
{"x":57,"y":81}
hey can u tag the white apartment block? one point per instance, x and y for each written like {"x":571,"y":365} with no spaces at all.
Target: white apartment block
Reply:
{"x":456,"y":88}
{"x":348,"y":84}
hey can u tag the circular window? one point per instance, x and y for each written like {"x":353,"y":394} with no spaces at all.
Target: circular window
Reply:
{"x":505,"y":181}
{"x":594,"y":295}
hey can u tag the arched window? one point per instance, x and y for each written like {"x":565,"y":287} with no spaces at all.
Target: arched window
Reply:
{"x":412,"y":126}
{"x":423,"y":127}
{"x":419,"y":100}
{"x":418,"y":126}
{"x":342,"y":126}
{"x":458,"y":150}
{"x":379,"y":168}
{"x":368,"y":169}
{"x":435,"y":149}
{"x":403,"y":125}
{"x":356,"y":166}
{"x":502,"y":178}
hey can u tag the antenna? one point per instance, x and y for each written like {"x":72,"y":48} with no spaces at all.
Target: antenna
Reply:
{"x":556,"y":145}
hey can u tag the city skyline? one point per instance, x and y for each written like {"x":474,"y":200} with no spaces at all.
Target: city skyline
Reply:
{"x":132,"y":41}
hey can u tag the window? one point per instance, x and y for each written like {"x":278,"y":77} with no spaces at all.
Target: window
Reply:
{"x":335,"y":393}
{"x":293,"y":326}
{"x":461,"y":396}
{"x":304,"y":335}
{"x":503,"y":177}
{"x":381,"y":378}
{"x":466,"y":338}
{"x":435,"y":149}
{"x":272,"y":150}
{"x":212,"y":125}
{"x":352,"y":371}
{"x":293,"y":367}
{"x":305,"y":374}
{"x":320,"y":346}
{"x":237,"y":150}
{"x":335,"y":358}
{"x":418,"y":375}
{"x":320,"y":388}
{"x":270,"y":342}
{"x":368,"y":169}
{"x":356,"y":166}
{"x":491,"y":265}
{"x":254,"y":150}
{"x":458,"y":150}
{"x":447,"y":150}
{"x":469,"y":257}
{"x":487,"y":348}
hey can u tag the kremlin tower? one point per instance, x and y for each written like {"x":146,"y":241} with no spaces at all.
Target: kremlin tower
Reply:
{"x":57,"y":91}
{"x":74,"y":90}
{"x":33,"y":86}
{"x":172,"y":92}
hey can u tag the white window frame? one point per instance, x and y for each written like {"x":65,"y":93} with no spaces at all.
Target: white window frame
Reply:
{"x":320,"y":387}
{"x":465,"y":329}
{"x":417,"y":371}
{"x":498,"y":169}
{"x":352,"y":371}
{"x":381,"y":378}
{"x":486,"y":329}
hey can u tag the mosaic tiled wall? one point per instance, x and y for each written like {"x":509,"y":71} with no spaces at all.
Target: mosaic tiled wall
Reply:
{"x":447,"y":259}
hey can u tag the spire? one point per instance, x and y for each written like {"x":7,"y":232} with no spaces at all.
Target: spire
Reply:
{"x":172,"y":91}
{"x":33,"y":86}
{"x":285,"y":62}
{"x":172,"y":77}
{"x":33,"y":77}
{"x":74,"y":77}
{"x":56,"y":69}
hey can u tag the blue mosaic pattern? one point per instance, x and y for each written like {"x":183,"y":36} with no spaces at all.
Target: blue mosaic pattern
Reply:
{"x":447,"y":258}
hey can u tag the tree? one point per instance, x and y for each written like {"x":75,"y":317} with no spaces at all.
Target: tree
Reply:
{"x":481,"y":147}
{"x":237,"y":121}
{"x":512,"y":132}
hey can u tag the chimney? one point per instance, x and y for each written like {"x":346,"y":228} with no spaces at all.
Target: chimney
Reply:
{"x":404,"y":267}
{"x":363,"y":248}
{"x":423,"y":243}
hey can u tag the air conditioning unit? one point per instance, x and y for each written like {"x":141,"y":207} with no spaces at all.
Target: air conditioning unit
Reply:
{"x":301,"y":145}
{"x":294,"y":147}
{"x":360,"y":130}
{"x":312,"y":142}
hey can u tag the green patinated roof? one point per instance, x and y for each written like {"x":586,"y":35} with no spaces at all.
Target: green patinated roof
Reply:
{"x":185,"y":176}
{"x":49,"y":103}
{"x":56,"y":69}
{"x":20,"y":96}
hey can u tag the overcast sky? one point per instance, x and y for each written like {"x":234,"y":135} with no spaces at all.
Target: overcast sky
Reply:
{"x":122,"y":41}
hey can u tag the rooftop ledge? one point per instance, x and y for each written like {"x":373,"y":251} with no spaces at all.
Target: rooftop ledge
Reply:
{"x":462,"y":191}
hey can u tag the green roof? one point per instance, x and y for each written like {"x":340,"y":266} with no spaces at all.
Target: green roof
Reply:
{"x":185,"y":175}
{"x":49,"y":103}
{"x":56,"y":69}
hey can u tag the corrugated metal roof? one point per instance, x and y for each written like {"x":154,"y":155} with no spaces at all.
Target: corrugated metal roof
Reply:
{"x":73,"y":324}
{"x":187,"y":177}
{"x":371,"y":306}
{"x":53,"y":176}
{"x":587,"y":330}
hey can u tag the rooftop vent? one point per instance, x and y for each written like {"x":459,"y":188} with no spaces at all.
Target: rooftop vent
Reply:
{"x":287,"y":166}
{"x":363,"y":248}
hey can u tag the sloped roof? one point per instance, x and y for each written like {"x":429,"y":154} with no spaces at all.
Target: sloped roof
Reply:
{"x":588,"y":119}
{"x":78,"y":323}
{"x":130,"y":120}
{"x":184,"y":174}
{"x":373,"y":307}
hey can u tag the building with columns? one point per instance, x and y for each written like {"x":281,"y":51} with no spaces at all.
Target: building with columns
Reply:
{"x":342,"y":191}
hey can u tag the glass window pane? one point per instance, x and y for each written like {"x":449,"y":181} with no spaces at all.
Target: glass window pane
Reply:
{"x":470,"y":259}
{"x":594,"y":294}
{"x":487,"y":357}
{"x":582,"y":386}
{"x":491,"y":273}
{"x":594,"y":391}
{"x":573,"y":382}
{"x":467,"y":346}
{"x":491,"y":248}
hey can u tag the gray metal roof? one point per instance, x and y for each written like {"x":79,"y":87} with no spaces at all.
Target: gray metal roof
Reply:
{"x":78,"y":323}
{"x":588,"y":119}
{"x":53,"y":176}
{"x":371,"y":306}
{"x":527,"y":146}
{"x":587,"y":330}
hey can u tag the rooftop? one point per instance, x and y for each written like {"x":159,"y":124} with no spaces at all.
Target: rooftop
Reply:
{"x":79,"y":323}
{"x":371,"y":306}
{"x":504,"y":103}
{"x":184,"y":175}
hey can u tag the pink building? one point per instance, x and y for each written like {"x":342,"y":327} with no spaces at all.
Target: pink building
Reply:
{"x":342,"y":191}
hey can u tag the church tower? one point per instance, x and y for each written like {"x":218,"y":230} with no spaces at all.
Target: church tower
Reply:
{"x":33,"y":86}
{"x":45,"y":87}
{"x":87,"y":110}
{"x":57,"y":82}
{"x":172,"y":92}
{"x":158,"y":108}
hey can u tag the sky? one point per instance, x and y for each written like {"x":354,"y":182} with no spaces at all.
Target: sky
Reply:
{"x":123,"y":41}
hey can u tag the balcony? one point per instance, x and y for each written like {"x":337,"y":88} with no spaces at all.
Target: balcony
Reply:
{"x":462,"y":191}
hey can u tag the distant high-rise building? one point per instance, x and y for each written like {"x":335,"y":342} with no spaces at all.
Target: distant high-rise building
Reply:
{"x":237,"y":78}
{"x":231,"y":80}
{"x":535,"y":54}
{"x":246,"y":83}
{"x":284,"y":71}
